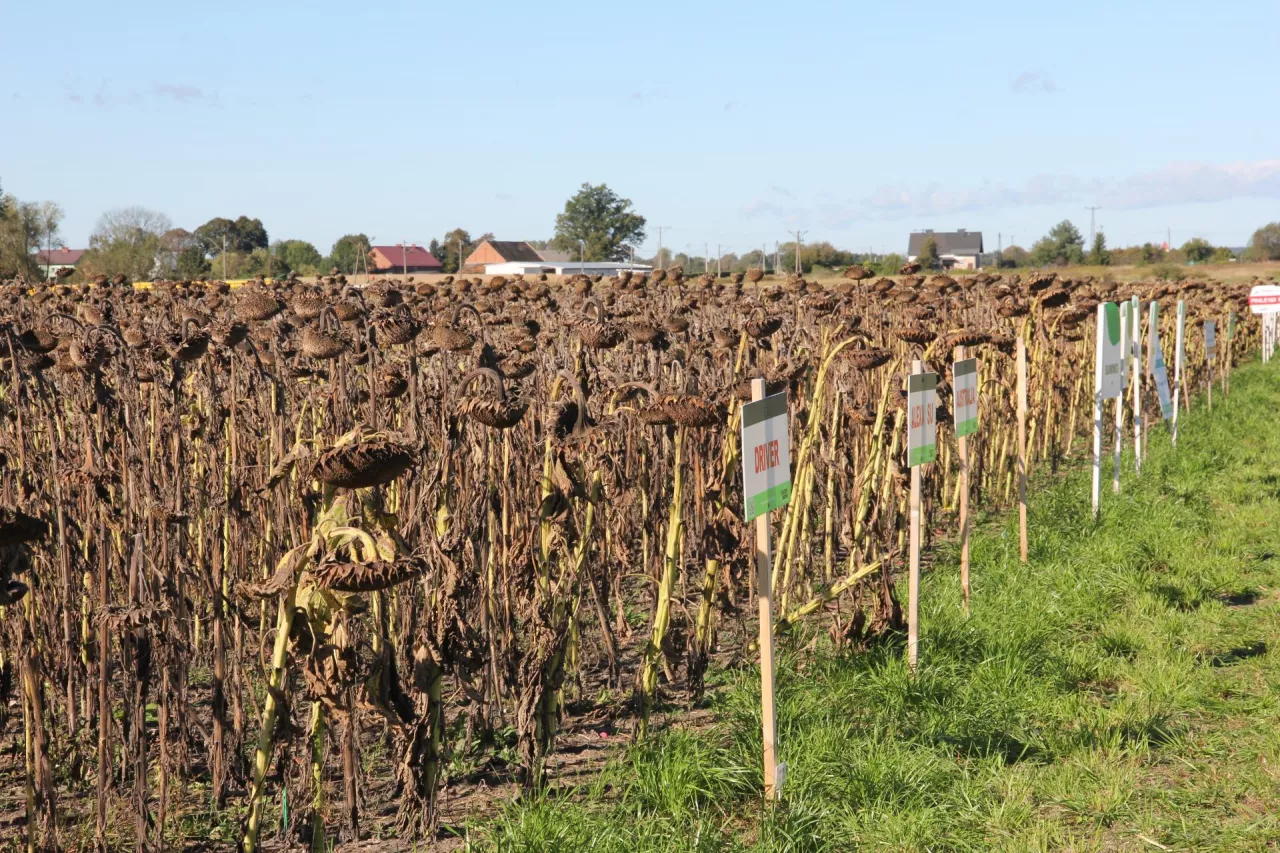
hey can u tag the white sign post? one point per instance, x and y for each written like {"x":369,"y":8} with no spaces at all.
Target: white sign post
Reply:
{"x":964,"y":382}
{"x":1265,"y":299}
{"x":1108,"y":382}
{"x":922,"y":447}
{"x":1210,"y":354}
{"x":1135,"y":312}
{"x":1177,"y":364}
{"x":1126,"y":351}
{"x":766,"y":485}
{"x":1157,"y":364}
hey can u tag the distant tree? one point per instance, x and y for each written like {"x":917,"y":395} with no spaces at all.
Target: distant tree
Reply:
{"x":1150,"y":253}
{"x":1265,"y":243}
{"x":126,"y":240}
{"x":299,"y":256}
{"x":347,"y":252}
{"x":456,"y":246}
{"x":928,"y":257}
{"x":1014,"y":256}
{"x":1222,"y":255}
{"x":192,"y":263}
{"x":15,"y":248}
{"x":1061,"y":246}
{"x":1098,"y":254}
{"x":1197,"y":250}
{"x":606,"y":223}
{"x":241,"y":235}
{"x":889,"y":264}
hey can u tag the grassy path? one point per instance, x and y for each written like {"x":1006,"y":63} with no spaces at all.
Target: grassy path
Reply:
{"x":1115,"y":694}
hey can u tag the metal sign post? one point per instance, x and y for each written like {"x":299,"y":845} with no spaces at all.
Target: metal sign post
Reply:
{"x":922,"y":447}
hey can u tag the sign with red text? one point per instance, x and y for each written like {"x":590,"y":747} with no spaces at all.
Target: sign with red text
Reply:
{"x":922,"y":432}
{"x":766,"y":456}
{"x":1265,"y":299}
{"x":964,"y":379}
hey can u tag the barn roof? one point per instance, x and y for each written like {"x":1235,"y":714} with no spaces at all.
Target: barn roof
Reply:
{"x":960,"y":242}
{"x":513,"y":250}
{"x":400,"y":255}
{"x":60,"y":257}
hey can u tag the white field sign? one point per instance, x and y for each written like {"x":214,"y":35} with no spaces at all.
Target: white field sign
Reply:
{"x":1178,"y":355}
{"x":1135,"y":351}
{"x":1108,"y":382}
{"x":1210,"y":354}
{"x":1265,"y":299}
{"x":1126,"y":355}
{"x":1157,"y":365}
{"x":766,"y":456}
{"x":922,"y":401}
{"x":965,"y":382}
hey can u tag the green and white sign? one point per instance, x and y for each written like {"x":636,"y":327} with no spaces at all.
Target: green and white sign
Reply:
{"x":922,"y":432}
{"x":964,"y":379}
{"x":1210,"y":340}
{"x":1109,"y":378}
{"x":766,"y":456}
{"x":1157,"y":367}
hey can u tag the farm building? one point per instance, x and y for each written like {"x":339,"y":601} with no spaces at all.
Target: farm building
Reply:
{"x":58,"y":259}
{"x":956,"y":249}
{"x":500,"y":252}
{"x":562,"y":268}
{"x":401,"y":259}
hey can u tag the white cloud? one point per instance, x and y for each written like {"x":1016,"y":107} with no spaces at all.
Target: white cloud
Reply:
{"x":1033,"y":83}
{"x":1173,"y":184}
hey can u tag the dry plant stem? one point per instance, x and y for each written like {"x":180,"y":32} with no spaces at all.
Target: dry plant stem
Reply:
{"x":666,"y":588}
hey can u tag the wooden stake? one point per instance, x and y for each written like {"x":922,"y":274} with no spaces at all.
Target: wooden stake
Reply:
{"x":1022,"y":447}
{"x":913,"y":581}
{"x":964,"y":505}
{"x":764,"y":587}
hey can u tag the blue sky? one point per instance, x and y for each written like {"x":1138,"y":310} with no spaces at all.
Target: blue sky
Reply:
{"x":729,"y":122}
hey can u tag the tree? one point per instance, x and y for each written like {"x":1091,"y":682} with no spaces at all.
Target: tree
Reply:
{"x":1061,"y":246}
{"x":454,"y":249}
{"x":1098,"y":255}
{"x":889,"y":264}
{"x":126,"y":240}
{"x":1013,"y":257}
{"x":602,"y":220}
{"x":928,"y":257}
{"x":1222,"y":255}
{"x":1150,"y":253}
{"x":15,"y":253}
{"x":348,"y":251}
{"x":242,"y":235}
{"x":1197,"y":250}
{"x":192,"y":263}
{"x":298,"y":256}
{"x":1265,"y":243}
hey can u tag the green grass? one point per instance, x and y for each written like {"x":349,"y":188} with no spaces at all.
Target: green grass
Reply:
{"x":1114,"y":694}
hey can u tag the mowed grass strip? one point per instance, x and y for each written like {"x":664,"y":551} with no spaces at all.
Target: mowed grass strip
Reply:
{"x":1114,"y":694}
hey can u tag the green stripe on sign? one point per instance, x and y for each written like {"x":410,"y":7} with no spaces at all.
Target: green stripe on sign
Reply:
{"x":763,"y":410}
{"x":921,"y":455}
{"x":964,"y":368}
{"x":1112,"y":312}
{"x":922,"y":382}
{"x":771,"y":499}
{"x":968,"y":427}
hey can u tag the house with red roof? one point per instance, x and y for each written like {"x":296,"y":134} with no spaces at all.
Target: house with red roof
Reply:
{"x":52,"y":260}
{"x":402,"y":258}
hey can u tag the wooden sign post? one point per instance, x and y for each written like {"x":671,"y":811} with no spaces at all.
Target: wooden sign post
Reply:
{"x":964,"y":384}
{"x":1107,"y":382}
{"x":766,"y":485}
{"x":922,"y":447}
{"x":1135,"y":312}
{"x":1022,"y":448}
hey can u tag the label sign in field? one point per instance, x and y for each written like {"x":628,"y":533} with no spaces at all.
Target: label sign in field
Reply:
{"x":1210,"y":340}
{"x":766,"y":456}
{"x":1265,"y":299}
{"x":1109,"y":381}
{"x":1156,"y":354}
{"x":922,"y":434}
{"x":964,"y":379}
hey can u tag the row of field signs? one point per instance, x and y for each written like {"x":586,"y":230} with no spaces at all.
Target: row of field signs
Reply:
{"x":766,"y":447}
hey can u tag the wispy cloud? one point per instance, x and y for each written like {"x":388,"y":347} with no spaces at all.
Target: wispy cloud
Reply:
{"x":1033,"y":83}
{"x":179,"y":92}
{"x":1173,"y":184}
{"x":105,"y":95}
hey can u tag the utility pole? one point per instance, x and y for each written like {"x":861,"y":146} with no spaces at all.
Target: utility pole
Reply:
{"x":999,"y":248}
{"x":458,"y":242}
{"x":777,"y":256}
{"x":706,"y":257}
{"x":657,"y":262}
{"x":224,"y":257}
{"x":404,"y":256}
{"x":719,"y":255}
{"x":1092,"y":211}
{"x":799,"y":235}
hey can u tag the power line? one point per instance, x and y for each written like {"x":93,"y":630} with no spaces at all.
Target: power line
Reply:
{"x":799,"y":235}
{"x":1092,"y":211}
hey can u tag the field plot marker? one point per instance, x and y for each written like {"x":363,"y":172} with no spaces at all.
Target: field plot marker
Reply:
{"x":766,"y":486}
{"x":922,"y":447}
{"x":965,"y":388}
{"x":1177,"y":365}
{"x":1210,"y":351}
{"x":1127,"y":354}
{"x":1022,"y":447}
{"x":1135,"y":314}
{"x":1107,"y":383}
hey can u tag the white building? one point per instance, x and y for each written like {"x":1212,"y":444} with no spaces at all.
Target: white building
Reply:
{"x":564,"y":268}
{"x":956,"y":249}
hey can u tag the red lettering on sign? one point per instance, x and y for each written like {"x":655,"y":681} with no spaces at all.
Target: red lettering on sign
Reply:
{"x":767,"y":455}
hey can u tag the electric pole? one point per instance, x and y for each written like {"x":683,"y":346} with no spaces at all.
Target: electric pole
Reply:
{"x":224,"y":257}
{"x":706,"y":257}
{"x":719,"y":255}
{"x":1092,"y":211}
{"x":799,"y":235}
{"x":999,"y":248}
{"x":404,"y":256}
{"x":657,"y":262}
